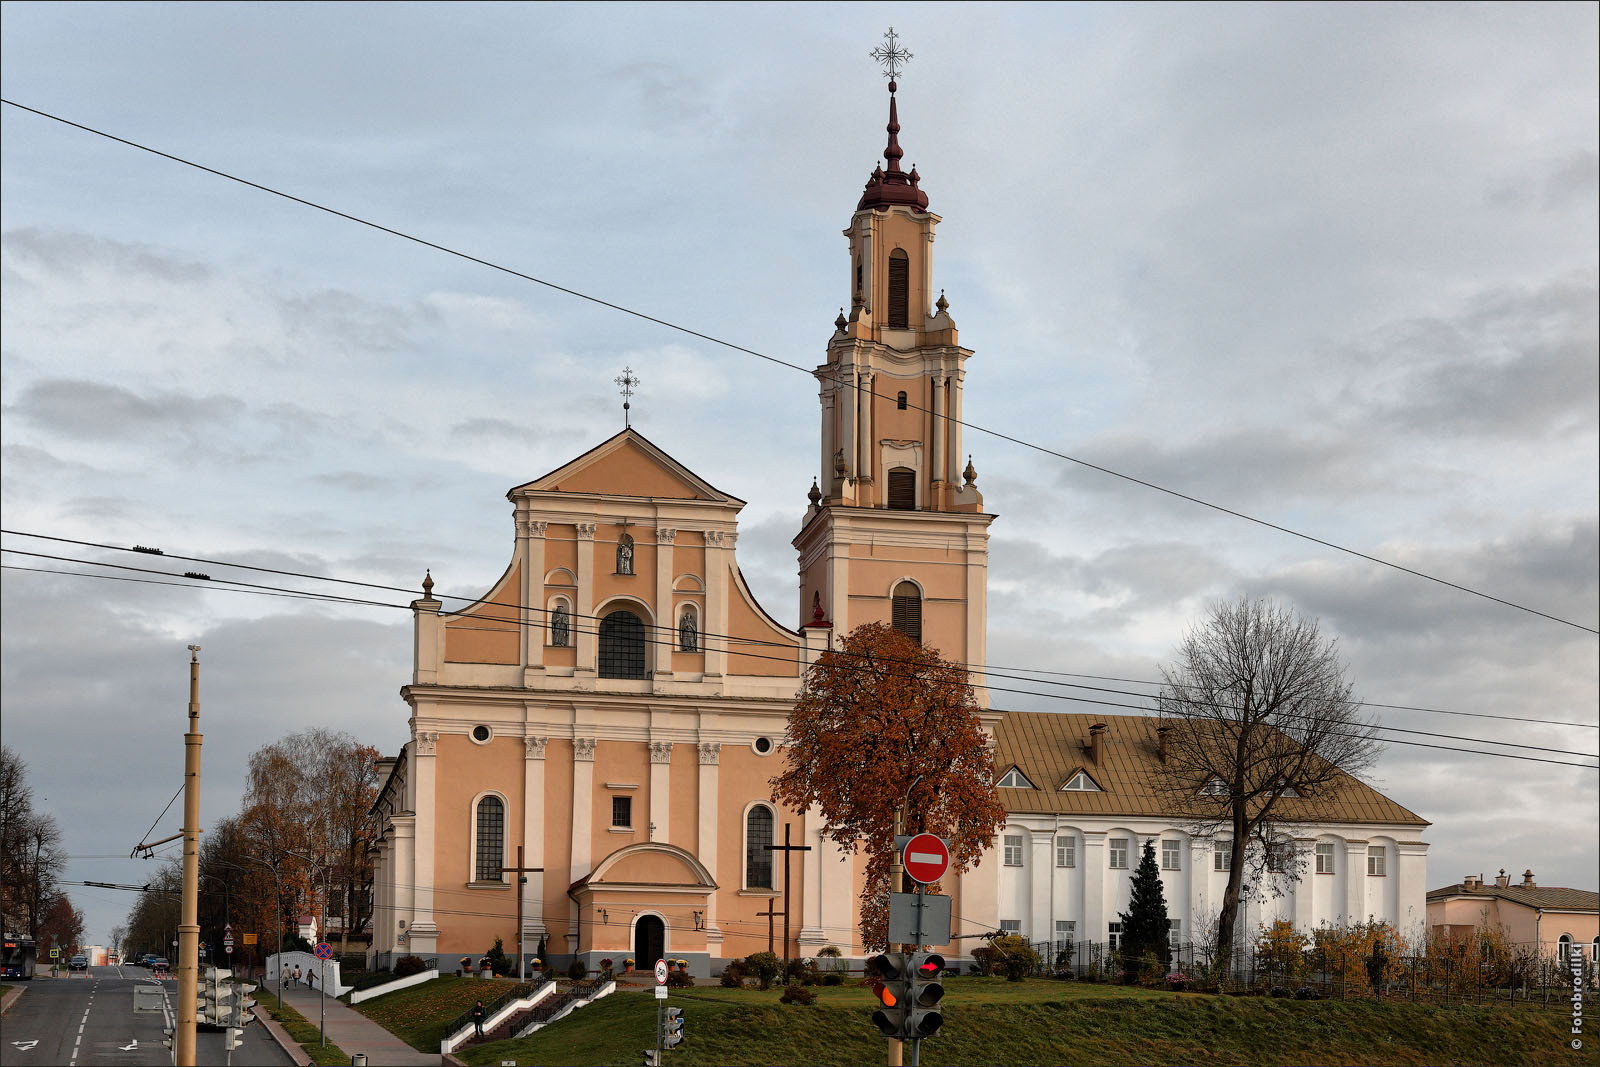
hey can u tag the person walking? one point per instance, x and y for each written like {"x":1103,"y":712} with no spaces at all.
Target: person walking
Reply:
{"x":297,"y":976}
{"x":477,"y":1019}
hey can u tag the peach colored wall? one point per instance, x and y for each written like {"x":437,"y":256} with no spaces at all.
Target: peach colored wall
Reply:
{"x":560,"y":548}
{"x":607,"y":583}
{"x":888,"y":420}
{"x":628,"y":763}
{"x":488,"y":631}
{"x":743,"y":776}
{"x":898,"y":231}
{"x":630,"y":471}
{"x":684,"y":807}
{"x":464,"y":926}
{"x":1520,"y":923}
{"x":777,"y":660}
{"x":557,"y":839}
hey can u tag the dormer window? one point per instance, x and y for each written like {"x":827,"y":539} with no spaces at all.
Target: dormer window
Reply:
{"x":899,"y":289}
{"x":1080,"y":783}
{"x":1015,"y":779}
{"x":1214,"y":788}
{"x":900,"y":401}
{"x":1285,"y":789}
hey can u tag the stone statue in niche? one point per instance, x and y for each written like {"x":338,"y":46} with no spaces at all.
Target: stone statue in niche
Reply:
{"x":625,"y":554}
{"x":560,"y":626}
{"x":688,"y":632}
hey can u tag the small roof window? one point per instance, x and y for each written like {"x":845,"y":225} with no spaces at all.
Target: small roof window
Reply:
{"x":1080,"y":783}
{"x":1015,"y":779}
{"x":1216,"y":787}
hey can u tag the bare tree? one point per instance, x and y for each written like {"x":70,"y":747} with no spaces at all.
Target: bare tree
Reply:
{"x":1257,"y":723}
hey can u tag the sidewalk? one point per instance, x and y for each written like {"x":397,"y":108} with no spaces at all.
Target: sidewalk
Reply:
{"x":354,"y":1032}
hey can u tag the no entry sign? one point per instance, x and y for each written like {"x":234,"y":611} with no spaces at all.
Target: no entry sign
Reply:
{"x":926,"y":858}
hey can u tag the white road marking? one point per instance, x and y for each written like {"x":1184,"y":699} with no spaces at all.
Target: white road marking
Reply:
{"x":25,"y":1045}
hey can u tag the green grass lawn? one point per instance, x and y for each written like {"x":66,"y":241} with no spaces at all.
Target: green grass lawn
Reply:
{"x":418,"y":1015}
{"x":307,"y":1034}
{"x":989,"y":1021}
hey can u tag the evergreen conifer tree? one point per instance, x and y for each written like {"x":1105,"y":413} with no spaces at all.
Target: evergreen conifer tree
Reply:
{"x":1144,"y":924}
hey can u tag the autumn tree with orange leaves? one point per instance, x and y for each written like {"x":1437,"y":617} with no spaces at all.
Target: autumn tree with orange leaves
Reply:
{"x":881,"y":720}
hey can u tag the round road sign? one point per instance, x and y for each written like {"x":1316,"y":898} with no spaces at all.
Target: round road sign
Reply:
{"x":324,"y":951}
{"x":661,"y":972}
{"x":926,"y":858}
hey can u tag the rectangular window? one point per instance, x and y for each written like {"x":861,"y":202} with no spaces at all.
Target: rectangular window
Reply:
{"x":1171,"y":855}
{"x":1119,"y":853}
{"x":1066,"y":930}
{"x":622,"y":811}
{"x":1222,"y":855}
{"x":1325,"y":857}
{"x":1066,"y":852}
{"x":1013,"y":856}
{"x":1277,"y":858}
{"x":1114,"y":936}
{"x":1011,"y":926}
{"x":1375,"y":860}
{"x":1174,"y":933}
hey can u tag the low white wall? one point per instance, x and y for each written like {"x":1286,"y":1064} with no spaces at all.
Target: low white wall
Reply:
{"x":604,"y":991}
{"x":389,"y":987}
{"x":454,"y":1041}
{"x":309,"y":965}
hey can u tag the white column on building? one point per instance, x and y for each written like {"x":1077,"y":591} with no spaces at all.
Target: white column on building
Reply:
{"x":383,"y":924}
{"x":869,"y":274}
{"x":1355,"y":882}
{"x":710,"y":753}
{"x":1304,"y":911}
{"x":956,"y":454}
{"x":938,"y":428}
{"x":530,"y":550}
{"x":1199,"y":886}
{"x":666,"y":612}
{"x":533,"y":809}
{"x":1041,"y":872}
{"x":424,"y":931}
{"x":827,"y":395}
{"x":582,"y":820}
{"x":585,"y":626}
{"x":660,"y":791}
{"x":404,"y":870}
{"x":1094,"y":887}
{"x":1412,"y":859}
{"x":867,"y":467}
{"x":718,"y":545}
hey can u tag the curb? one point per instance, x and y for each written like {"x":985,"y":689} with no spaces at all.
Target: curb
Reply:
{"x":285,"y":1042}
{"x":11,"y":997}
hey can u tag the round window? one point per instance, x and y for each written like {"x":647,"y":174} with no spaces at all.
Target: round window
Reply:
{"x":763,"y":745}
{"x":480,"y":734}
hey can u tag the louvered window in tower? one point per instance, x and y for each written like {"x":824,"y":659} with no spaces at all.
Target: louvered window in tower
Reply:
{"x":899,"y":289}
{"x":908,"y":611}
{"x":902,"y":489}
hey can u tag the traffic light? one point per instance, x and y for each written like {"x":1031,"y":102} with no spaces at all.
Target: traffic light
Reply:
{"x":674,"y":1035}
{"x":215,"y":993}
{"x":893,"y":989}
{"x":650,"y":1059}
{"x":166,"y":1037}
{"x":926,"y":1013}
{"x":233,"y":1039}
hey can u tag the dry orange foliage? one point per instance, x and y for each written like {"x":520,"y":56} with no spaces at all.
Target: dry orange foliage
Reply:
{"x":880,"y":720}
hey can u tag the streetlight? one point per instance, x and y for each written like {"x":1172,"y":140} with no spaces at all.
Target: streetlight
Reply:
{"x":322,"y":931}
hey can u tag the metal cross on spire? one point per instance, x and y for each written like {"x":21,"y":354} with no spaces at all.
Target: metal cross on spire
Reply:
{"x":892,"y":56}
{"x":626,"y":382}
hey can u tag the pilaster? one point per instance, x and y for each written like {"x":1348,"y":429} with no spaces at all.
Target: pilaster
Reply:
{"x":710,"y":753}
{"x":660,"y":791}
{"x":533,"y":829}
{"x":530,"y":550}
{"x":585,"y":626}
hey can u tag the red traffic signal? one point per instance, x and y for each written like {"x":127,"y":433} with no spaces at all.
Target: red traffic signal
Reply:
{"x":930,"y":966}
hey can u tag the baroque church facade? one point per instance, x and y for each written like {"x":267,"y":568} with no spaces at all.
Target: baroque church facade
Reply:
{"x":609,"y":714}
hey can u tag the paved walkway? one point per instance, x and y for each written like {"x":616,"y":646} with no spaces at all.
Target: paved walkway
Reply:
{"x":354,"y":1032}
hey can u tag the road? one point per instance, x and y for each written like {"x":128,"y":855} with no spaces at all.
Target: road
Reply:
{"x":90,"y":1019}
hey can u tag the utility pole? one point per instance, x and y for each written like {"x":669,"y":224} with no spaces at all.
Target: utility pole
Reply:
{"x":189,"y":924}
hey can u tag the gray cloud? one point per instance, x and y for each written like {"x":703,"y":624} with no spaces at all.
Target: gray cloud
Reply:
{"x":98,"y":412}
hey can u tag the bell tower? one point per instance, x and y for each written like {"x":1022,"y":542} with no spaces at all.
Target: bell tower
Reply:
{"x":896,"y":530}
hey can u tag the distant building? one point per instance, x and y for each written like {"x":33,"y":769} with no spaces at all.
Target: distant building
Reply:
{"x":1555,"y":919}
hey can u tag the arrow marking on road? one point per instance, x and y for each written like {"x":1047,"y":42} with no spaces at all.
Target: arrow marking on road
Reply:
{"x":130,"y":1048}
{"x":25,"y":1045}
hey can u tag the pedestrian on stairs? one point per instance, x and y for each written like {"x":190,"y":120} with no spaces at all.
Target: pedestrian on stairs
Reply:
{"x":477,"y":1019}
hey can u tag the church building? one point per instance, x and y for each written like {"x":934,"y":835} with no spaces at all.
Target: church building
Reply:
{"x":608,"y":716}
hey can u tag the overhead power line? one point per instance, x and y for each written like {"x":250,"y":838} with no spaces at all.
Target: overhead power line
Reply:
{"x":511,"y":625}
{"x":744,"y":350}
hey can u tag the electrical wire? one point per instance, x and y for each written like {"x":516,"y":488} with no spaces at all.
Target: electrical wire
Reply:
{"x":511,"y":626}
{"x":711,"y":339}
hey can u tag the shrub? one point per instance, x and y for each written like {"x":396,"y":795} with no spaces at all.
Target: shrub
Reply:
{"x":983,"y":958}
{"x":1305,"y":992}
{"x":1014,"y":956}
{"x":499,"y":962}
{"x":766,"y":967}
{"x":830,"y":951}
{"x":1177,"y":981}
{"x":733,"y":975}
{"x":1279,"y":991}
{"x":1091,"y":976}
{"x":406,"y":966}
{"x":679,"y":980}
{"x":797,"y":994}
{"x":833,"y":978}
{"x":577,"y":970}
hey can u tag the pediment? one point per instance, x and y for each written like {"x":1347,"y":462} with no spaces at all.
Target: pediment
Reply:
{"x":631,"y":465}
{"x":650,"y":863}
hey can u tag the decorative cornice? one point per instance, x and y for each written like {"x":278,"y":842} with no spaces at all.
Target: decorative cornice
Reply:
{"x":533,"y":747}
{"x":583,"y":749}
{"x":661,"y":752}
{"x":710,"y":753}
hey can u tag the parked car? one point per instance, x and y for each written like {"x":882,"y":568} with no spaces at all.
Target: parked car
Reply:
{"x":79,"y":962}
{"x":159,"y":965}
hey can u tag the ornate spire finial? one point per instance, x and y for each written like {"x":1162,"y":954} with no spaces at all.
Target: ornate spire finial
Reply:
{"x":841,"y":322}
{"x":943,"y":305}
{"x":970,"y":474}
{"x":427,"y":585}
{"x":891,"y":57}
{"x":815,"y":495}
{"x":626,"y":382}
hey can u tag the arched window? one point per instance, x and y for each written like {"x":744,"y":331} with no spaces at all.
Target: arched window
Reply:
{"x":624,"y":553}
{"x":621,"y":645}
{"x":491,"y":840}
{"x":908,"y":610}
{"x":902,"y":489}
{"x":900,"y":401}
{"x":757,"y":836}
{"x":899,"y":289}
{"x":1564,"y":949}
{"x":688,"y":631}
{"x":560,"y":625}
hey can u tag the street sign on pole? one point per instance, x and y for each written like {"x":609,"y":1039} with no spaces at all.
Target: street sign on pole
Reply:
{"x":661,"y":972}
{"x":324,"y":951}
{"x":905,"y":926}
{"x":927,"y":858}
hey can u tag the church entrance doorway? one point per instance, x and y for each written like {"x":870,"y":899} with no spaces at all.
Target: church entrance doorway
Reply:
{"x":649,"y":942}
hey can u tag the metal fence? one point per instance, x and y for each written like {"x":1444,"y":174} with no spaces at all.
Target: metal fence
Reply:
{"x":1319,"y":973}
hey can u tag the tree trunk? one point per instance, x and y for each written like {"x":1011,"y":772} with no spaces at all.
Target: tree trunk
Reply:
{"x":1229,"y":915}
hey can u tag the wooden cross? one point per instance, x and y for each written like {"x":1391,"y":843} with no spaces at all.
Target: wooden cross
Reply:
{"x":522,"y":879}
{"x":770,"y":913}
{"x":785,"y":848}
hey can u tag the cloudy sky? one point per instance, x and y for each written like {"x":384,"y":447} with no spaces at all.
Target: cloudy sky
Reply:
{"x":1332,"y":266}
